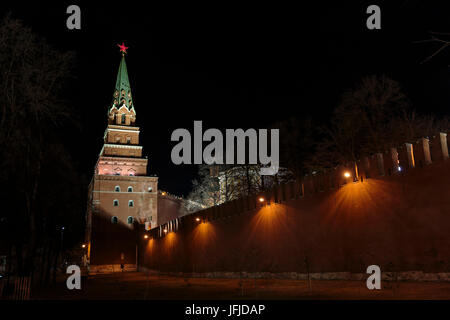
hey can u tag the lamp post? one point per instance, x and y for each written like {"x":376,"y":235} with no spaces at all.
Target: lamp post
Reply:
{"x":62,"y":237}
{"x":62,"y":244}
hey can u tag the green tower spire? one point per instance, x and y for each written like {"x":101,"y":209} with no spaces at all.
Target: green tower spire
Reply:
{"x":122,"y":93}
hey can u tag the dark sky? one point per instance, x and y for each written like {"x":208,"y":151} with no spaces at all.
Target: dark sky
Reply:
{"x":233,"y":66}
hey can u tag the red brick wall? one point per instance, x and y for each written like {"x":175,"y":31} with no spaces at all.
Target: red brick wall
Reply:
{"x":399,"y":222}
{"x":168,"y":208}
{"x":109,"y":241}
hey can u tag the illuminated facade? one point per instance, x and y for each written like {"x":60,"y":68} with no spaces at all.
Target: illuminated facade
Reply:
{"x":121,"y":195}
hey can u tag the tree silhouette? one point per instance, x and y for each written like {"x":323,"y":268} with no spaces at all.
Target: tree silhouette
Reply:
{"x":371,"y":118}
{"x":38,"y":178}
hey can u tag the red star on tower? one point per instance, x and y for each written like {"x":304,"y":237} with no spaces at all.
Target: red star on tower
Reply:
{"x":122,"y":47}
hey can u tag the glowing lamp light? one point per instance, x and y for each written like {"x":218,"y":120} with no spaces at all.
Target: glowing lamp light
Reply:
{"x":399,"y":168}
{"x":146,"y":236}
{"x":261,"y":199}
{"x":197,"y":219}
{"x":163,"y":193}
{"x":347,"y":174}
{"x":83,"y":246}
{"x":165,"y":230}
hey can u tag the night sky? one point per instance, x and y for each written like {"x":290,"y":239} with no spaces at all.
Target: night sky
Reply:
{"x":233,"y":66}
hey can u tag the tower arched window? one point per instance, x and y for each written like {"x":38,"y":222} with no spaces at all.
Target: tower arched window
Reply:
{"x":131,"y":203}
{"x":114,"y":220}
{"x":130,"y":220}
{"x":116,"y":203}
{"x":130,"y":189}
{"x":123,"y":118}
{"x":117,"y":188}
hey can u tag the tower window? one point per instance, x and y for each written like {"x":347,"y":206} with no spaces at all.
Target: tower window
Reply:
{"x":123,"y":118}
{"x":116,"y":203}
{"x":114,"y":220}
{"x":131,"y":203}
{"x":130,"y":220}
{"x":117,"y":189}
{"x":130,"y":189}
{"x":128,"y":140}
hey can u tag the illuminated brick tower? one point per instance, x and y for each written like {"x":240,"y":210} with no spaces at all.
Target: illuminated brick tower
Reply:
{"x":121,"y":196}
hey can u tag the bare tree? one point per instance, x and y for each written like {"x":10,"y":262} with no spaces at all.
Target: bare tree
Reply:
{"x":371,"y":118}
{"x":362,"y":121}
{"x":438,"y":38}
{"x":297,"y":142}
{"x":36,"y":171}
{"x":205,"y":190}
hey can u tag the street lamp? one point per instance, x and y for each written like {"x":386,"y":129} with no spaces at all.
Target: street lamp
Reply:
{"x":62,"y":236}
{"x":62,"y":243}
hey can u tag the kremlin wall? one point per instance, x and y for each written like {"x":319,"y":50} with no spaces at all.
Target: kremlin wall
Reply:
{"x":391,"y":209}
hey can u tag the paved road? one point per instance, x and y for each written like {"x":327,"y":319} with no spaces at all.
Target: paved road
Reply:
{"x":135,"y":285}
